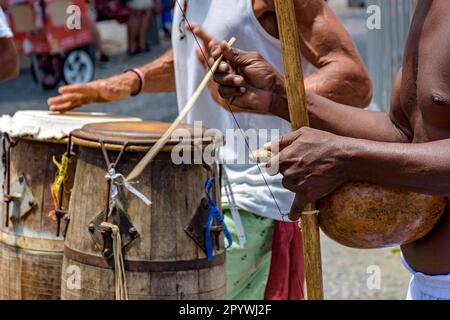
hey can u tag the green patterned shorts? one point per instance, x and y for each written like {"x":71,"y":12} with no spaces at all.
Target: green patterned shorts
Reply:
{"x":248,"y":267}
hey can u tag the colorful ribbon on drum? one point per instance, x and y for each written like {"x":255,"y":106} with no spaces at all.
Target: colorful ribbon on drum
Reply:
{"x":214,"y":212}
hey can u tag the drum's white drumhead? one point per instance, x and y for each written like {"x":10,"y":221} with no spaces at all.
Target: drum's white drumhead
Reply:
{"x":45,"y":125}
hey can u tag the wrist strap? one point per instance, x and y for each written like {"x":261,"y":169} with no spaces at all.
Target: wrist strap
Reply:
{"x":141,"y":77}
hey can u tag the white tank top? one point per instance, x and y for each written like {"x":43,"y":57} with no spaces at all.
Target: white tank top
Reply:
{"x":223,"y":19}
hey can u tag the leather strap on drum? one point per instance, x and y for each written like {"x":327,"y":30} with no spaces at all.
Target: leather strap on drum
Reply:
{"x":144,"y":265}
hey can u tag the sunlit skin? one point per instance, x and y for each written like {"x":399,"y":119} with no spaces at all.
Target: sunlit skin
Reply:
{"x":324,"y":42}
{"x":409,"y":148}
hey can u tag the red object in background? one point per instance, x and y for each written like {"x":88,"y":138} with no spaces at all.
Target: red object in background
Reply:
{"x":40,"y":26}
{"x":42,"y":29}
{"x":286,"y":276}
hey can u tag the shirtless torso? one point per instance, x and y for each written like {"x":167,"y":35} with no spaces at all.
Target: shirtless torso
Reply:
{"x":421,"y":108}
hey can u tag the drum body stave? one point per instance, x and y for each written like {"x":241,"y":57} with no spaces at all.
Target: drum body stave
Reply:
{"x":163,"y":262}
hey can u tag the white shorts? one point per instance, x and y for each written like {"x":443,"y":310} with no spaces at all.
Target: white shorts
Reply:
{"x":426,"y":287}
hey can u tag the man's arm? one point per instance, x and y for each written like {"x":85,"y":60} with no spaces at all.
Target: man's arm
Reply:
{"x":159,"y":77}
{"x":361,"y":124}
{"x":341,"y":75}
{"x":8,"y":59}
{"x":256,"y":73}
{"x":359,"y":145}
{"x":365,"y":146}
{"x":417,"y":167}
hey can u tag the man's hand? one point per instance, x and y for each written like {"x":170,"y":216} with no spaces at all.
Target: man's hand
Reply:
{"x":314,"y":163}
{"x":250,"y":82}
{"x":204,"y":55}
{"x":100,"y":91}
{"x":246,"y":83}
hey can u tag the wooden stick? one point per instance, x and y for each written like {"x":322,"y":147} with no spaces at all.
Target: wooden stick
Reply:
{"x":153,"y":152}
{"x":295,"y":87}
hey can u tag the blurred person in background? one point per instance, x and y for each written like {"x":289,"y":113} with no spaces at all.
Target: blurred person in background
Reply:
{"x":141,"y":15}
{"x":167,"y":17}
{"x":8,"y":54}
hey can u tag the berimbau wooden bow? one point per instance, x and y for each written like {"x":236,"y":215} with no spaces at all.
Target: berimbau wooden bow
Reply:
{"x":295,"y":87}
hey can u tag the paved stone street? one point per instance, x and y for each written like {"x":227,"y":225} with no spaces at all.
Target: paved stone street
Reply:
{"x":345,"y":270}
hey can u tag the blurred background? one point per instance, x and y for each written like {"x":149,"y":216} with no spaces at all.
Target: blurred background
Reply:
{"x":104,"y":50}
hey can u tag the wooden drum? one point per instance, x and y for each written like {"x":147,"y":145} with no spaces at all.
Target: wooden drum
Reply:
{"x":162,"y":243}
{"x":30,"y":251}
{"x":364,"y":215}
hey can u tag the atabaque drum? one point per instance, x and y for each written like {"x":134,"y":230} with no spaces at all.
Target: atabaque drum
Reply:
{"x":162,"y":249}
{"x":33,"y":145}
{"x":363,"y":215}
